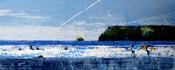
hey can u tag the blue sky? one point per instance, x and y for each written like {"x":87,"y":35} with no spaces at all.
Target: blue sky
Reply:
{"x":66,"y":19}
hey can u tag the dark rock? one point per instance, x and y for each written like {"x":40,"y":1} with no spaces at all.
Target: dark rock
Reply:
{"x":139,"y":33}
{"x":79,"y":38}
{"x":37,"y":48}
{"x":40,"y":56}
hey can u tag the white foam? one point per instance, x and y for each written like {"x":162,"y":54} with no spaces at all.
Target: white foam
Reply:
{"x":75,"y":52}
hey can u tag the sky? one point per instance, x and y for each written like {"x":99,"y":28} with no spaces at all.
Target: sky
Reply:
{"x":66,"y":19}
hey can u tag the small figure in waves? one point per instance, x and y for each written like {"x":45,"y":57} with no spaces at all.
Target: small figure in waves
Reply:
{"x":37,"y":48}
{"x":19,"y":49}
{"x":148,"y":52}
{"x":31,"y":48}
{"x":145,"y":47}
{"x":132,"y":50}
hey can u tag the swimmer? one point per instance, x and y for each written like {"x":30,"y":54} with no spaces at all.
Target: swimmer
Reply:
{"x":132,"y":51}
{"x":145,"y":47}
{"x":31,"y":48}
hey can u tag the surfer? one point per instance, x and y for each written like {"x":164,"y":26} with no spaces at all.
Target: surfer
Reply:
{"x":37,"y":48}
{"x":31,"y":48}
{"x":65,"y":48}
{"x":20,"y":49}
{"x":132,"y":50}
{"x":145,"y":47}
{"x":148,"y":52}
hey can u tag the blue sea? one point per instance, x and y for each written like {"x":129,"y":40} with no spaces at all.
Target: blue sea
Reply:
{"x":108,"y":43}
{"x":86,"y":55}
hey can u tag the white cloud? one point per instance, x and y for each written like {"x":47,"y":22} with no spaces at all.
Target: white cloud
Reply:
{"x":4,"y":12}
{"x":34,"y":17}
{"x":89,"y":31}
{"x":12,"y":13}
{"x":87,"y":25}
{"x":28,"y":16}
{"x":46,"y":33}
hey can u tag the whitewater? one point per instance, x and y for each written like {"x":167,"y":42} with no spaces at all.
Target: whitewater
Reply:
{"x":86,"y":55}
{"x":24,"y":50}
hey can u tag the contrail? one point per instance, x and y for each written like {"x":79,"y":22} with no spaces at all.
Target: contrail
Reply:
{"x":91,"y":5}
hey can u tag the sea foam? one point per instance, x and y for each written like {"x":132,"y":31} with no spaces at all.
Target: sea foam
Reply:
{"x":68,"y":51}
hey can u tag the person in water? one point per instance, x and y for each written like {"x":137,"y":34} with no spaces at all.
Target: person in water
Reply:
{"x":132,"y":50}
{"x":31,"y":48}
{"x":20,"y":49}
{"x":148,"y":52}
{"x":145,"y":47}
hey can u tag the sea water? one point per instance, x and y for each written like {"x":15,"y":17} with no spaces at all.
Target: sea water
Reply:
{"x":86,"y":55}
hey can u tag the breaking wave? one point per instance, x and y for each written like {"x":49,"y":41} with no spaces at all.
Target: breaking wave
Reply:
{"x":73,"y":51}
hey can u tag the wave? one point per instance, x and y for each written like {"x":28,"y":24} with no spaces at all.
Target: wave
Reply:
{"x":72,"y":51}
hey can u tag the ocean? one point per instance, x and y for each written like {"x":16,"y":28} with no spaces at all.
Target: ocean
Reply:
{"x":86,"y":55}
